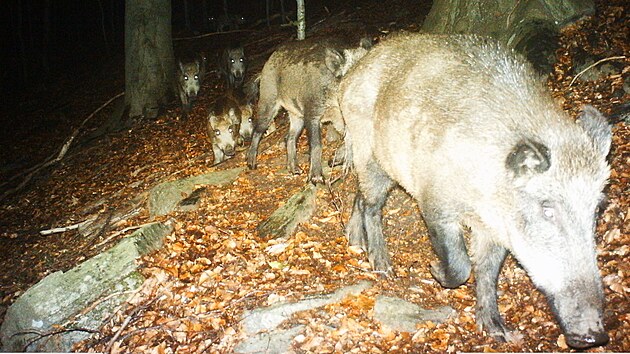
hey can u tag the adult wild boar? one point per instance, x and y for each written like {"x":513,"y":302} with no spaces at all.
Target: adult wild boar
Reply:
{"x":298,"y":77}
{"x":465,"y":127}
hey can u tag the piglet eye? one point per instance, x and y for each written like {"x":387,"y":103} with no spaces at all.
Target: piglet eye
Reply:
{"x":249,"y":119}
{"x":217,"y":132}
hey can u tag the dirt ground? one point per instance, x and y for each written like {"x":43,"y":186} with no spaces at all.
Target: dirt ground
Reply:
{"x":214,"y":267}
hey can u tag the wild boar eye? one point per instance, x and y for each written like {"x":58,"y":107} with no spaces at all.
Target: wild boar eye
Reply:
{"x":217,"y":132}
{"x":549,"y":212}
{"x":230,"y":130}
{"x":232,"y":60}
{"x":185,"y":77}
{"x":249,"y":119}
{"x":196,"y":77}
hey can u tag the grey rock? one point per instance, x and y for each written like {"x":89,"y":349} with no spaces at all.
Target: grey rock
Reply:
{"x":284,"y":220}
{"x":268,"y":318}
{"x":401,"y":315}
{"x":60,"y":297}
{"x":275,"y":342}
{"x":165,"y":197}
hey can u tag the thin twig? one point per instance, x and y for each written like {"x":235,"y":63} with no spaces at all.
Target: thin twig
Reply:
{"x":64,"y":149}
{"x":209,"y":35}
{"x":335,"y":200}
{"x":595,"y":64}
{"x":122,"y":232}
{"x":57,"y":230}
{"x":108,"y":348}
{"x":41,"y":335}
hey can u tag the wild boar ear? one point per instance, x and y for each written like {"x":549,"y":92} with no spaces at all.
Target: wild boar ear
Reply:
{"x":181,"y":66}
{"x":334,"y":62}
{"x":596,"y":126}
{"x":528,"y":157}
{"x":232,"y":114}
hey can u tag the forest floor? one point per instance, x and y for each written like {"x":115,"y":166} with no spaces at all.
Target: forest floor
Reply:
{"x":213,"y":267}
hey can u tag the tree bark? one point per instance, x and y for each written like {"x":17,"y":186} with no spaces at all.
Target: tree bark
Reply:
{"x":149,"y":59}
{"x":301,"y":20}
{"x":529,"y":26}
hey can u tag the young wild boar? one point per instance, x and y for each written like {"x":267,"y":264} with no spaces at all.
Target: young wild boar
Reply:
{"x":188,"y":82}
{"x":223,"y":127}
{"x":233,"y":65}
{"x":247,"y":122}
{"x":229,"y":22}
{"x":465,"y":127}
{"x":298,"y":77}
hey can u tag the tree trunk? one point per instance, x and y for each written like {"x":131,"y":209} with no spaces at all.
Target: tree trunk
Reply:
{"x":529,"y":26}
{"x":149,"y":60}
{"x":301,"y":20}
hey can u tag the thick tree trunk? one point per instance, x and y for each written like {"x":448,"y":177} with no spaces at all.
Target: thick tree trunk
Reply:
{"x":149,"y":60}
{"x":529,"y":26}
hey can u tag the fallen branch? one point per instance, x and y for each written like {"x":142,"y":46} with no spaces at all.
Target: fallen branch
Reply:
{"x":209,"y":35}
{"x":595,"y":64}
{"x":52,"y":160}
{"x":135,"y":227}
{"x":41,"y":335}
{"x":58,"y":230}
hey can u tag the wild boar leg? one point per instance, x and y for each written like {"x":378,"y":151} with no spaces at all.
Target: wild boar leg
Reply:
{"x":374,"y":185}
{"x":453,"y":268}
{"x":296,"y":126}
{"x":489,"y":258}
{"x":266,"y":113}
{"x":355,"y":229}
{"x":314,"y":134}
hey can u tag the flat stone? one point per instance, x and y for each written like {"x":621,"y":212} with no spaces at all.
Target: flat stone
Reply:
{"x":299,"y":208}
{"x":268,"y":318}
{"x":60,"y":297}
{"x":402,"y":316}
{"x":274,"y":342}
{"x":165,"y":197}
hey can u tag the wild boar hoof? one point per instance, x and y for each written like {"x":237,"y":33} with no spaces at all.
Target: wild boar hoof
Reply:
{"x":586,"y":341}
{"x":497,"y":330}
{"x":381,"y":263}
{"x":295,"y":170}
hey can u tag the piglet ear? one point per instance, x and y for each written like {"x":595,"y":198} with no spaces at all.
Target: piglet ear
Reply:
{"x":596,"y":126}
{"x":334,"y":62}
{"x":528,"y":157}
